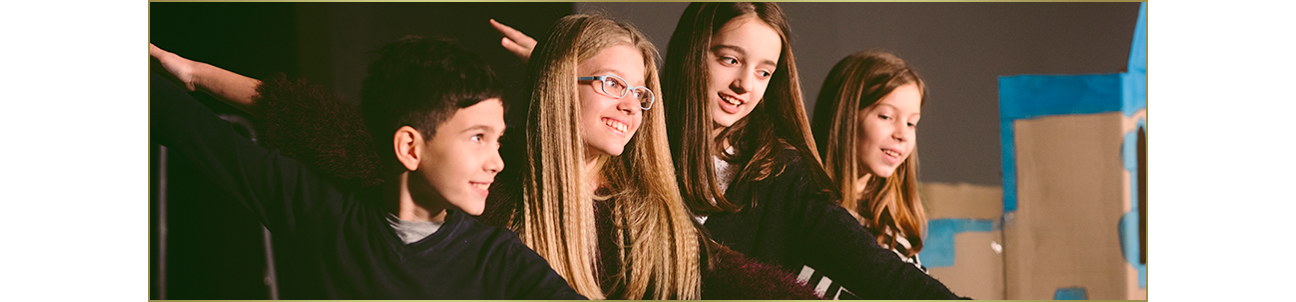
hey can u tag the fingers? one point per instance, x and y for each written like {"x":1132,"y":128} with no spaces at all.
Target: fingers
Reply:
{"x":156,"y":52}
{"x":512,"y":46}
{"x":516,"y":36}
{"x":515,"y":41}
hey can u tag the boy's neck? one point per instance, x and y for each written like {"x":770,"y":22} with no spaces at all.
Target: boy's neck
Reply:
{"x":407,"y":206}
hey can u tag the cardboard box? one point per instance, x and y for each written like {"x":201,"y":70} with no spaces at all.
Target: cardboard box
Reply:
{"x":963,"y":248}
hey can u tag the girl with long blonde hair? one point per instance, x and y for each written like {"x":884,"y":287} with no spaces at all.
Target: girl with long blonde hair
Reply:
{"x":598,"y":197}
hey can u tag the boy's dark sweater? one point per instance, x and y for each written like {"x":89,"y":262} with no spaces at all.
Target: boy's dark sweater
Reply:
{"x":794,"y":223}
{"x":341,"y":245}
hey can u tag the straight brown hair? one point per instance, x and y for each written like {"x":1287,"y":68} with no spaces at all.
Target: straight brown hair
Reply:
{"x":889,"y":207}
{"x":778,"y":122}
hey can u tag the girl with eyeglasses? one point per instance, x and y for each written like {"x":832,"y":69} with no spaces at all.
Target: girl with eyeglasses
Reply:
{"x":598,"y":197}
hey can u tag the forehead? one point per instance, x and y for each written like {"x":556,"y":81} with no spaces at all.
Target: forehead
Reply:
{"x":489,"y":112}
{"x":907,"y":97}
{"x":622,"y":60}
{"x":752,"y":36}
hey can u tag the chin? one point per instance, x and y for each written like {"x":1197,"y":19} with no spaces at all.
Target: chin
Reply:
{"x":723,"y":121}
{"x":613,"y":150}
{"x":884,"y":173}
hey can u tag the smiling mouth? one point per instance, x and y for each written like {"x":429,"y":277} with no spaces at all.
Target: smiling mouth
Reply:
{"x":484,"y":186}
{"x":893,"y":156}
{"x":616,"y":125}
{"x":732,"y":102}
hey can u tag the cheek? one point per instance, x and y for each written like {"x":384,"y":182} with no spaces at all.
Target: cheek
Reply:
{"x":718,"y":79}
{"x":759,"y":94}
{"x":638,"y":123}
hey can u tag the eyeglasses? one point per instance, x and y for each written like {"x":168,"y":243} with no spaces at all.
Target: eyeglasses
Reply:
{"x":616,"y":87}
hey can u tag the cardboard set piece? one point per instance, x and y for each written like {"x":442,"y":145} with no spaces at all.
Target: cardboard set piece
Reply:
{"x":1070,"y":221}
{"x":1075,"y":182}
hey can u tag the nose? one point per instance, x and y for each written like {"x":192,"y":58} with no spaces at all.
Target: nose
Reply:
{"x":495,"y":163}
{"x":743,"y":82}
{"x":629,"y":105}
{"x":902,"y":133}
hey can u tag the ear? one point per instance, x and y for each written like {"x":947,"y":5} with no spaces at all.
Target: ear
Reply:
{"x":408,"y":144}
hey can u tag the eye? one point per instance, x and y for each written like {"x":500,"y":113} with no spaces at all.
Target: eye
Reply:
{"x":729,"y":60}
{"x":884,"y":117}
{"x":764,"y":74}
{"x":912,"y":124}
{"x":614,"y":83}
{"x":478,"y":138}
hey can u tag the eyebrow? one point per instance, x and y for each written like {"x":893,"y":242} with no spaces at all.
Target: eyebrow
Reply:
{"x":617,"y":72}
{"x":893,"y":107}
{"x":741,"y":51}
{"x":605,"y":71}
{"x":479,"y":127}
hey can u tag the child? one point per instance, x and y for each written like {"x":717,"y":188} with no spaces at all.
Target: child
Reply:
{"x":746,"y":159}
{"x":866,"y":120}
{"x":435,"y":111}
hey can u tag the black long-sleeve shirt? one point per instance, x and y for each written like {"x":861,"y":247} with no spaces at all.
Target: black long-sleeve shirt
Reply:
{"x":341,"y":246}
{"x":792,"y":225}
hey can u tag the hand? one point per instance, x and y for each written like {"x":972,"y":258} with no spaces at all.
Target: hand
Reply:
{"x":515,"y":41}
{"x":179,"y":67}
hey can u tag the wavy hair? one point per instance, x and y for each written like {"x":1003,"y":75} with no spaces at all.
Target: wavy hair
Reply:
{"x":777,"y":122}
{"x":889,"y":207}
{"x":658,"y":248}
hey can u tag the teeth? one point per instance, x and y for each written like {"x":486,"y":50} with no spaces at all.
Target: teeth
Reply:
{"x":730,"y":100}
{"x":891,"y":153}
{"x":482,"y":186}
{"x":619,"y":126}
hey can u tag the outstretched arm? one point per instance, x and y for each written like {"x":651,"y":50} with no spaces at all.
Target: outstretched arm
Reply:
{"x":232,"y":88}
{"x":515,"y":41}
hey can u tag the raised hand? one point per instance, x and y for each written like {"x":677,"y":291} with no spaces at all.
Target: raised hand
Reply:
{"x":515,"y":41}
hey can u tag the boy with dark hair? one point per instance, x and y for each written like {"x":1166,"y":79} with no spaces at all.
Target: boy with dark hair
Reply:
{"x":435,"y":109}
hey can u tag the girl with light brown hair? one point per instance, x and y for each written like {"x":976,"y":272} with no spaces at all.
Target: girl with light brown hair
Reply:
{"x":748,"y":167}
{"x":866,"y":121}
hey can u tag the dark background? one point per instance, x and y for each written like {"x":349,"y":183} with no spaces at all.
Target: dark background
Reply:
{"x":212,"y":251}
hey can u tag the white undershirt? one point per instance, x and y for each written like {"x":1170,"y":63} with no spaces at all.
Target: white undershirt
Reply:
{"x":724,"y":174}
{"x":412,"y":231}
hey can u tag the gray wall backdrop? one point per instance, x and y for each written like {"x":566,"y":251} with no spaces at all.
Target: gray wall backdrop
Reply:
{"x":960,"y":49}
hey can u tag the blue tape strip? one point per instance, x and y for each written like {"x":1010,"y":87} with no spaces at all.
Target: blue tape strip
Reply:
{"x":1135,"y":92}
{"x":1138,"y":48}
{"x":938,"y":247}
{"x":1007,"y":138}
{"x":1029,"y":96}
{"x":1071,"y":293}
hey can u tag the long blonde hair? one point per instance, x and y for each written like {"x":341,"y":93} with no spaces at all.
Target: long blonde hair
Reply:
{"x":659,"y":244}
{"x":891,"y":206}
